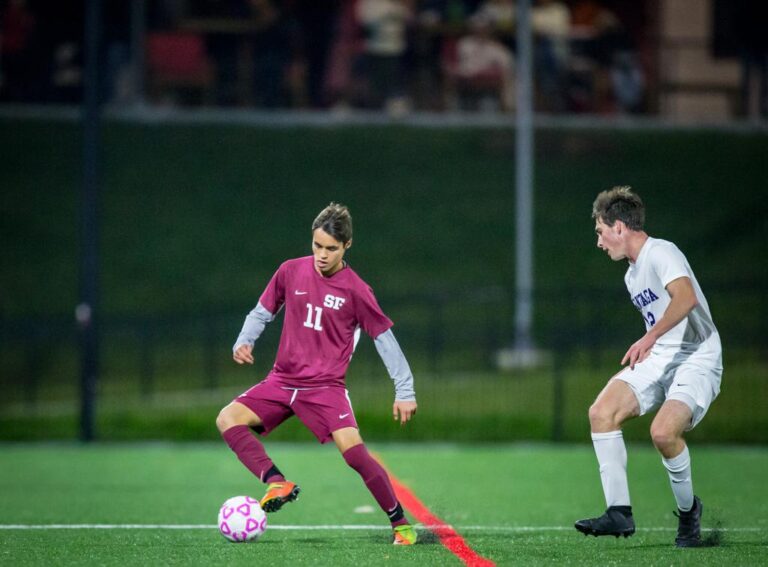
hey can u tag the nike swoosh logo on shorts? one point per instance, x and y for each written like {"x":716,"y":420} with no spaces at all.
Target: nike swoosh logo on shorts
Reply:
{"x":297,"y":292}
{"x":343,"y":415}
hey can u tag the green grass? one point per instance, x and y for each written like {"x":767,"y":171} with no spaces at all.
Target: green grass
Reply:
{"x":467,"y":406}
{"x":541,"y":487}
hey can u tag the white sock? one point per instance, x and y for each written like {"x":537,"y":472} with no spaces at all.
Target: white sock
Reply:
{"x":612,"y":458}
{"x":679,"y":469}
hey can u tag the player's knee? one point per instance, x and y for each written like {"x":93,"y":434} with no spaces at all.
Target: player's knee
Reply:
{"x":225,"y":419}
{"x":601,"y":417}
{"x":663,"y":438}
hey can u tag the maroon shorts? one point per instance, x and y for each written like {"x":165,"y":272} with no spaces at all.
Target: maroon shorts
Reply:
{"x":323,"y":410}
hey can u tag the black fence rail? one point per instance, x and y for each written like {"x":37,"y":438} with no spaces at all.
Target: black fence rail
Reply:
{"x":449,"y":338}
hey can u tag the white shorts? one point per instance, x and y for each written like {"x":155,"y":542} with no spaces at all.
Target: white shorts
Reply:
{"x":673,"y":374}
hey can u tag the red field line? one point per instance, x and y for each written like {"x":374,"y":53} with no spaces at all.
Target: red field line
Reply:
{"x":449,"y":537}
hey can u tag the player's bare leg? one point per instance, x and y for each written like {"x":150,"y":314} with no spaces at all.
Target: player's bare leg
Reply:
{"x":667,"y":428}
{"x":235,"y":422}
{"x":352,"y":448}
{"x":613,"y":406}
{"x":346,"y":438}
{"x":667,"y":431}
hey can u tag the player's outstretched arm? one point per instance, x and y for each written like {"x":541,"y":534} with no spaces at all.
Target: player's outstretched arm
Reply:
{"x":683,"y":301}
{"x":389,"y":350}
{"x":254,"y":324}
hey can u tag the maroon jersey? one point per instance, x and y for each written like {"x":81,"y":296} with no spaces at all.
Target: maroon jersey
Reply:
{"x":322,"y":315}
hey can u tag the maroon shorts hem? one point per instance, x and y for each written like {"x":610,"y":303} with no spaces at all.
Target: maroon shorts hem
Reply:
{"x":322,"y":410}
{"x":265,"y":428}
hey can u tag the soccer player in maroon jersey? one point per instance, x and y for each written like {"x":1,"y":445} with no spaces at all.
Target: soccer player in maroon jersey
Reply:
{"x":326,"y":304}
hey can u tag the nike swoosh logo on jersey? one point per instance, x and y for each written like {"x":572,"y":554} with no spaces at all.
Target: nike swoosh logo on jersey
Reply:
{"x":297,"y":292}
{"x":343,"y":415}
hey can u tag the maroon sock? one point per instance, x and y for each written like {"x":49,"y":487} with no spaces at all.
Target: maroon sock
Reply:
{"x":251,"y":453}
{"x":377,"y":481}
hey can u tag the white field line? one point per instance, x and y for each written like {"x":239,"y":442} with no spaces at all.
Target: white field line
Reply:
{"x":510,"y":529}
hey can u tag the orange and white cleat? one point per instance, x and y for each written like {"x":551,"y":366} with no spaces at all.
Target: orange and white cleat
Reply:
{"x":404,"y":535}
{"x":278,"y":493}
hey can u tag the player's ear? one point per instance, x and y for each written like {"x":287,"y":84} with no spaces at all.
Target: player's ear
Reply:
{"x":347,"y":245}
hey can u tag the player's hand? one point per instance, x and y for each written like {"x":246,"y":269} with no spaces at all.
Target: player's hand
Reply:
{"x":639,"y":351}
{"x":403,"y":411}
{"x":243,"y":354}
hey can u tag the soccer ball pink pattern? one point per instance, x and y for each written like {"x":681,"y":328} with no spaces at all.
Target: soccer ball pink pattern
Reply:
{"x":242,"y":519}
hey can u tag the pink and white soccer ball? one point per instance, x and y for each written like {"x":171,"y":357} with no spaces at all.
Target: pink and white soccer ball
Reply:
{"x":242,"y":519}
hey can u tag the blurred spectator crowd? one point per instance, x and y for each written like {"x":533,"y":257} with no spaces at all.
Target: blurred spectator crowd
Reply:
{"x":396,"y":55}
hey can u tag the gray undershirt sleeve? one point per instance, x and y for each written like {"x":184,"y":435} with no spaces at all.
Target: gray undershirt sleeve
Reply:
{"x":397,"y":366}
{"x":254,"y":325}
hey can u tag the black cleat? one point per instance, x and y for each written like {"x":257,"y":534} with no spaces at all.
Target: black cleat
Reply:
{"x":689,"y":525}
{"x":617,"y":521}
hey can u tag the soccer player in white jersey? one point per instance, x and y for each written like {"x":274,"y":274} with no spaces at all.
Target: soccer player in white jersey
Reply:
{"x":674,"y":367}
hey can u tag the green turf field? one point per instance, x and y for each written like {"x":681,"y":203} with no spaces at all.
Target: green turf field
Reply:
{"x":514,"y":504}
{"x":455,"y":407}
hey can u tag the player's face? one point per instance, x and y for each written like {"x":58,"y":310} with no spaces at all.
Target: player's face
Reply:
{"x":328,"y":252}
{"x":610,"y":239}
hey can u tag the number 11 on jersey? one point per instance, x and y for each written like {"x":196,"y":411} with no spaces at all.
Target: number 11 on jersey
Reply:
{"x":318,"y":314}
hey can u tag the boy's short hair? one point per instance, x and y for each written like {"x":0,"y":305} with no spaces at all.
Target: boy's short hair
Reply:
{"x":336,"y":220}
{"x":619,"y":203}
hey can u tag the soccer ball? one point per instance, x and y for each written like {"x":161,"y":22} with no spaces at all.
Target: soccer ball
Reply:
{"x":242,"y":519}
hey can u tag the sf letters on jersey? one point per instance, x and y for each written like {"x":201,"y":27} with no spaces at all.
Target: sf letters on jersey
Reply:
{"x":333,"y":302}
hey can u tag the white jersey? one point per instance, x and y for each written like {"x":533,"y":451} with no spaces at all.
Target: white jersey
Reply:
{"x":659,"y":263}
